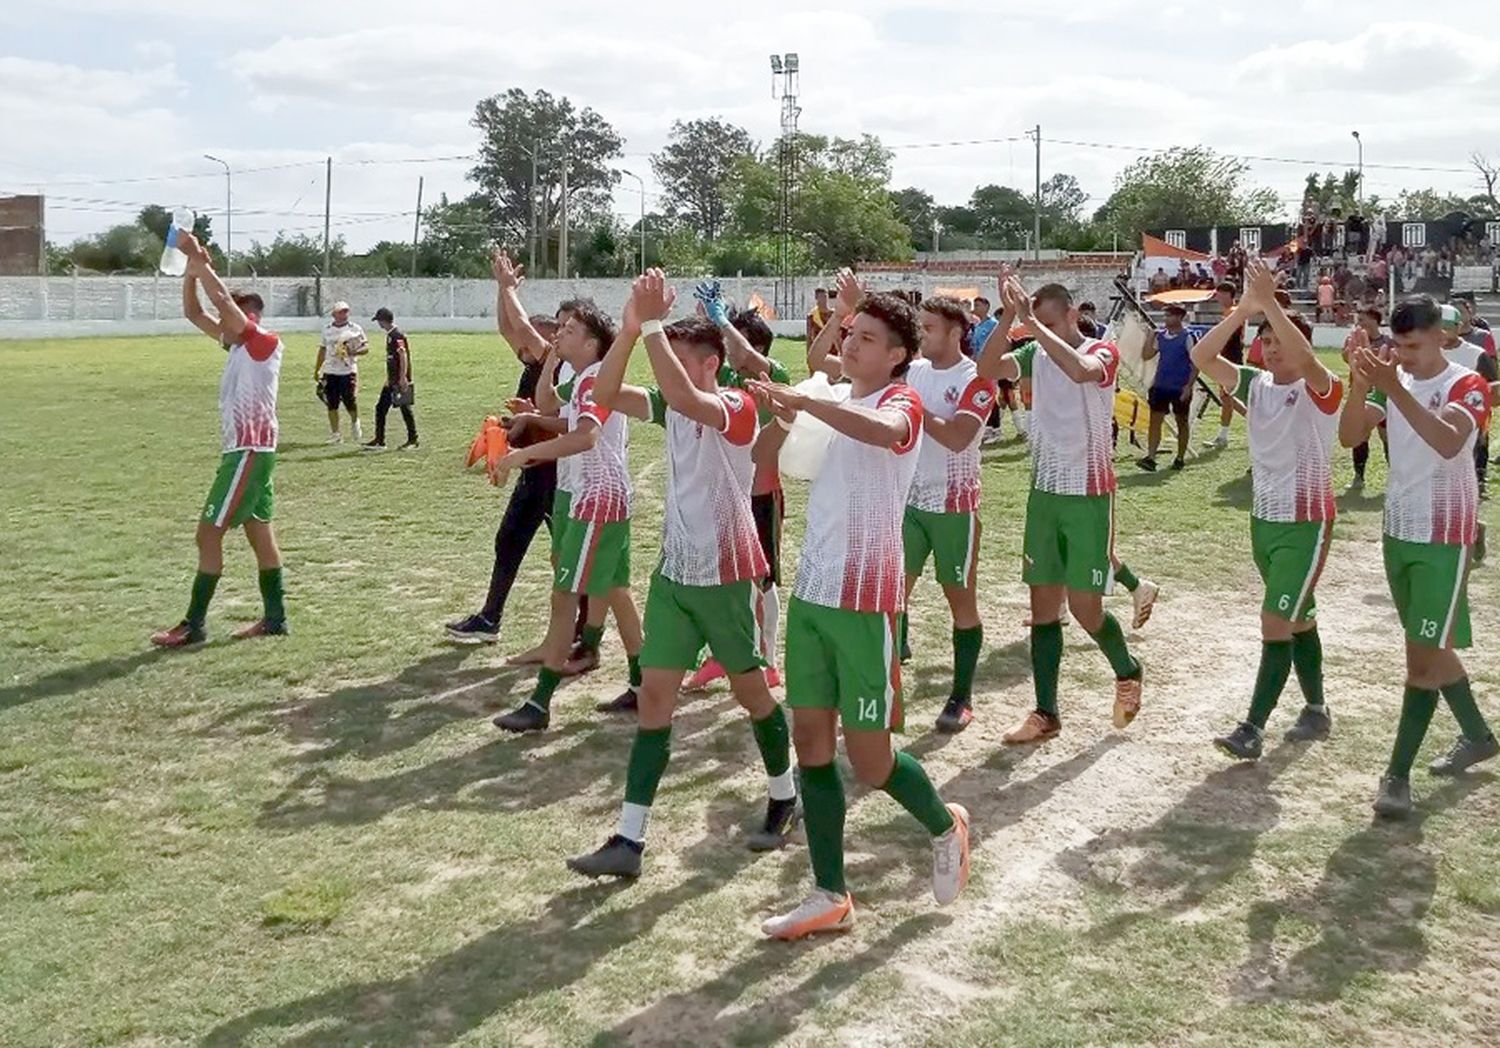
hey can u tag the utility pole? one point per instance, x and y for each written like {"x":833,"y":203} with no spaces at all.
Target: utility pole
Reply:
{"x":416,"y":227}
{"x":327,"y":210}
{"x":536,"y":147}
{"x":562,"y":220}
{"x":1036,"y":220}
{"x":228,"y":215}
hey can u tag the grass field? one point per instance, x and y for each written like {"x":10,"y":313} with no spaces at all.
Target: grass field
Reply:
{"x":322,"y":840}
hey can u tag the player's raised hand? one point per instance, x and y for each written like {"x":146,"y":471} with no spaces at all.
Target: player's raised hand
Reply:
{"x":710,"y":296}
{"x":651,"y":297}
{"x":507,"y":273}
{"x":1017,"y":301}
{"x":1376,"y":369}
{"x":1260,"y":283}
{"x":849,"y":293}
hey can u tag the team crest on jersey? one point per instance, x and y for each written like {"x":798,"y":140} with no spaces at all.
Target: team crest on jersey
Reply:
{"x":1474,"y":400}
{"x":982,"y":398}
{"x":950,"y":395}
{"x":1291,"y":397}
{"x":1436,"y":402}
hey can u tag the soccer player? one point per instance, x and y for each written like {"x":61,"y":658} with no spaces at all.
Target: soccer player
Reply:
{"x":342,"y":344}
{"x":841,"y":662}
{"x":704,"y":590}
{"x":591,"y":548}
{"x":818,"y":316}
{"x":1461,"y":349}
{"x":1234,"y":352}
{"x":1433,"y":410}
{"x":1171,"y":386}
{"x":1292,"y":418}
{"x":397,"y":377}
{"x":242,"y":492}
{"x":1069,"y":537}
{"x":941,"y":522}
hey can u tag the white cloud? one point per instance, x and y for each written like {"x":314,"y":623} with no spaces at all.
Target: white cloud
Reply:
{"x":1399,"y":58}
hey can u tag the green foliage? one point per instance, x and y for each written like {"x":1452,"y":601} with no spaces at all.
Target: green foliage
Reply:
{"x":1193,"y":186}
{"x":695,"y":169}
{"x":457,"y":236}
{"x":306,"y":905}
{"x":292,"y":255}
{"x":1425,"y":205}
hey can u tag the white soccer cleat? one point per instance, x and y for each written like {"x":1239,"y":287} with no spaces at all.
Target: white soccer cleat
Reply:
{"x":822,"y":911}
{"x":335,"y":438}
{"x":1144,"y":601}
{"x":950,"y":858}
{"x":359,"y":435}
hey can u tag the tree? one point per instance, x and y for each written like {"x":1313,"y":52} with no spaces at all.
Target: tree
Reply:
{"x":695,"y":169}
{"x":1004,"y":215}
{"x":127,"y":248}
{"x":915,"y":207}
{"x":156,"y":219}
{"x":1184,"y":187}
{"x":292,"y":255}
{"x":1426,"y":205}
{"x":510,"y":124}
{"x":457,"y":235}
{"x":1489,"y":174}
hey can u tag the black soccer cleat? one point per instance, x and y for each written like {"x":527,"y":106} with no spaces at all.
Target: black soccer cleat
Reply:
{"x":1148,"y":464}
{"x":625,"y":702}
{"x":1314,"y":724}
{"x":620,"y":857}
{"x":1244,"y":743}
{"x":956,"y":716}
{"x":1464,"y":755}
{"x":781,"y":819}
{"x":526,"y":717}
{"x":476,"y":629}
{"x":1394,"y":799}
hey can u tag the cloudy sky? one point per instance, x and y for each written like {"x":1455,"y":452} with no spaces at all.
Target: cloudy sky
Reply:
{"x":106,"y":110}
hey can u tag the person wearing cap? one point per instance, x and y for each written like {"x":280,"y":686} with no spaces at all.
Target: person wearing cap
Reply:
{"x":342,"y":344}
{"x":1172,"y":385}
{"x":397,"y":379}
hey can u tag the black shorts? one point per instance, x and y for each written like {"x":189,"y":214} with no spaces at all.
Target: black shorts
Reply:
{"x":1165,"y":400}
{"x":1234,"y":352}
{"x":339,"y":389}
{"x":769,"y":511}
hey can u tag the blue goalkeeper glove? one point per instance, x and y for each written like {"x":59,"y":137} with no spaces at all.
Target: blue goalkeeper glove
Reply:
{"x":712,"y":297}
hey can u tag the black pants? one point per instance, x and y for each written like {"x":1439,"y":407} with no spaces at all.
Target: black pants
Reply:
{"x":383,"y":408}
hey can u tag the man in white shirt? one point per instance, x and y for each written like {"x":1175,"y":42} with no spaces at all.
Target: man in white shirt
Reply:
{"x":337,"y":370}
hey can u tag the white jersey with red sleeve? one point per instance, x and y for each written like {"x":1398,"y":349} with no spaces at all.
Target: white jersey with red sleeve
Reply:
{"x":1292,"y":431}
{"x":852,"y":554}
{"x":247,"y":392}
{"x":948,"y":481}
{"x":1072,"y":423}
{"x":1429,"y":498}
{"x":600,"y":476}
{"x":708,"y":533}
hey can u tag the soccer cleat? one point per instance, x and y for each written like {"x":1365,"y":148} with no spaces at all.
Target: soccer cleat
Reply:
{"x":359,"y":434}
{"x":182,"y":635}
{"x":410,"y":445}
{"x":1358,"y":483}
{"x":781,"y":819}
{"x":619,"y":857}
{"x":1314,"y":724}
{"x":1148,"y":464}
{"x":1464,"y":755}
{"x":625,"y":702}
{"x":1143,"y":600}
{"x":476,"y":629}
{"x":1178,"y":463}
{"x":1127,"y":700}
{"x":1221,"y":442}
{"x":335,"y":438}
{"x":773,"y":677}
{"x":905,"y":653}
{"x":1479,"y":541}
{"x":950,"y":858}
{"x":1037,"y":727}
{"x":1394,"y":799}
{"x":956,"y":715}
{"x":526,"y":717}
{"x":1244,"y":743}
{"x":821,"y":912}
{"x":992,"y":436}
{"x":262,"y":628}
{"x":373,"y":445}
{"x":705,"y":675}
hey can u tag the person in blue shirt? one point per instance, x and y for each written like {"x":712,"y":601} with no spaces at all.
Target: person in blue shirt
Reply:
{"x":981,"y":328}
{"x":1172,"y":386}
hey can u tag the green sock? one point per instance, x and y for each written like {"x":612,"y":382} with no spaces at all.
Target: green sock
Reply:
{"x":634,"y":662}
{"x":648,"y":760}
{"x":823,"y":818}
{"x":1307,"y":658}
{"x":905,"y":645}
{"x":913,"y":790}
{"x":204,"y":585}
{"x":1046,"y":663}
{"x":547,"y":681}
{"x":1127,"y":578}
{"x":1275,"y":668}
{"x":966,"y":646}
{"x":272,"y":595}
{"x":1417,"y":707}
{"x":592,"y":637}
{"x":1111,"y":641}
{"x":1461,"y":701}
{"x":774,"y":738}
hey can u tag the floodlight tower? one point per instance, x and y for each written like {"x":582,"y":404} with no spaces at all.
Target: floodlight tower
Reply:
{"x":784,"y":85}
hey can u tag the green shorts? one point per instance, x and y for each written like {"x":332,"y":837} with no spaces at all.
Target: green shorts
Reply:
{"x":1429,"y":582}
{"x":844,"y":660}
{"x":242,"y":489}
{"x":1290,"y":557}
{"x":592,"y":558}
{"x":557,"y":521}
{"x":681,"y":619}
{"x":950,"y":539}
{"x":1068,"y":541}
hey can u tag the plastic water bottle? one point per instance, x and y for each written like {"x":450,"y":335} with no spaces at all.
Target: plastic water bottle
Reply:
{"x":173,"y":261}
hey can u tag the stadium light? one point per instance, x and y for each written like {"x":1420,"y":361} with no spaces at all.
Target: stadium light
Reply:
{"x":775,"y":63}
{"x":791,"y":62}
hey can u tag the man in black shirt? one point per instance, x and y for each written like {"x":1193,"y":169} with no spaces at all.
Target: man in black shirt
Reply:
{"x":397,"y":381}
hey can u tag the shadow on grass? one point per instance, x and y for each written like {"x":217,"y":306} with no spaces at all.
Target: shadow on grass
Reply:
{"x":1236,"y":492}
{"x":1367,"y":909}
{"x":998,"y":667}
{"x":71,"y":679}
{"x":447,"y":996}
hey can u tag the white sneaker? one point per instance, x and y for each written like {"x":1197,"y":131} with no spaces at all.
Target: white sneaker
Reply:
{"x":359,"y":435}
{"x":1143,"y":600}
{"x":335,"y":438}
{"x":1221,"y":441}
{"x":992,"y":436}
{"x":950,"y":858}
{"x":822,"y":911}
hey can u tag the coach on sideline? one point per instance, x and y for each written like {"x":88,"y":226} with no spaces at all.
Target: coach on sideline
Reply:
{"x":398,"y":389}
{"x":343,"y":341}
